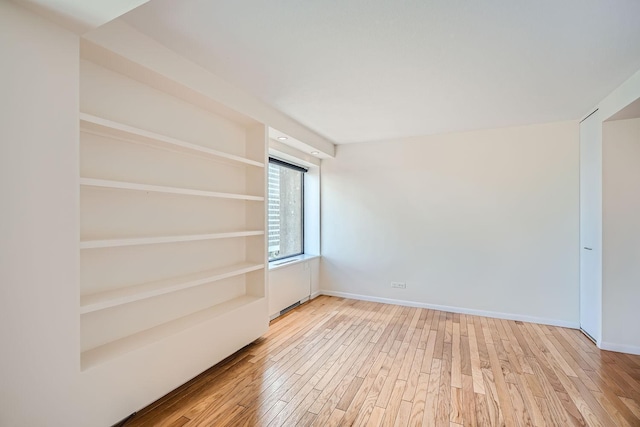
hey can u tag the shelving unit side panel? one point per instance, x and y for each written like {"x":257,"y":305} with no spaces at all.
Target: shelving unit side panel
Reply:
{"x":255,"y":214}
{"x":255,"y":283}
{"x":255,"y":250}
{"x":257,"y":141}
{"x":257,"y":147}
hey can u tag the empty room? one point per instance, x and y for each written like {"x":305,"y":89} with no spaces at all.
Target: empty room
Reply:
{"x":316,"y":213}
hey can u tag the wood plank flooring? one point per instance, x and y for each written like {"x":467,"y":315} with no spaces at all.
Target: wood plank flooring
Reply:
{"x":340,"y":362}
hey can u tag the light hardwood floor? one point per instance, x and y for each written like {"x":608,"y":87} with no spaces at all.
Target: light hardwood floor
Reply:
{"x":334,"y":362}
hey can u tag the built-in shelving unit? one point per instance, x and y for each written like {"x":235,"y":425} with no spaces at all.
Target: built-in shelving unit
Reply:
{"x":101,"y":126}
{"x":113,"y":349}
{"x":102,"y":300}
{"x":172,"y":211}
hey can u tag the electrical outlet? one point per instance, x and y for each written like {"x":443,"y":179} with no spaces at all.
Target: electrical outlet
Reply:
{"x":399,"y":285}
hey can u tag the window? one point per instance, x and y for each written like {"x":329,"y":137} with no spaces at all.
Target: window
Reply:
{"x":286,"y":210}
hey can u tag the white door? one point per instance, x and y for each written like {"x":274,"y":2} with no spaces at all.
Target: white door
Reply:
{"x":591,"y":225}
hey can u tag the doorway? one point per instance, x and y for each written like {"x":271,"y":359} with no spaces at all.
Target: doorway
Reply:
{"x":590,"y":225}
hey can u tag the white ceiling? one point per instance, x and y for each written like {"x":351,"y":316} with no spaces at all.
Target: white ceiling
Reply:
{"x":362,"y":70}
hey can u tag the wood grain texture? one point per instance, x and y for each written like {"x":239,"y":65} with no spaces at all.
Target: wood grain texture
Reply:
{"x":340,"y":362}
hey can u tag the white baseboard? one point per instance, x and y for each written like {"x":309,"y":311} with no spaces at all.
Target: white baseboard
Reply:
{"x":315,"y":295}
{"x":494,"y":314}
{"x":620,"y":348}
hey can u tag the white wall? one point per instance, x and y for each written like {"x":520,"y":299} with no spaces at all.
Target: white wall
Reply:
{"x":39,"y":320}
{"x":621,"y":235}
{"x":483,"y":222}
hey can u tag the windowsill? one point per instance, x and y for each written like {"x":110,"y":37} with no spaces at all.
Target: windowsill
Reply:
{"x":281,"y":263}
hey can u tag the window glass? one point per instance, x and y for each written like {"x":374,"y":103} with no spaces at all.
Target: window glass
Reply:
{"x":286,"y":207}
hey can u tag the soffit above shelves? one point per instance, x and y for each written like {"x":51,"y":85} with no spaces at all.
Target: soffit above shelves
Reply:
{"x":81,"y":16}
{"x":123,"y":49}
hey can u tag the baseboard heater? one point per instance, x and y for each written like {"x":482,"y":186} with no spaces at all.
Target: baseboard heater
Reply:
{"x":291,"y":307}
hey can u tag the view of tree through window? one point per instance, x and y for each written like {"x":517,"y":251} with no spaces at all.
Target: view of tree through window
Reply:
{"x":285,"y":214}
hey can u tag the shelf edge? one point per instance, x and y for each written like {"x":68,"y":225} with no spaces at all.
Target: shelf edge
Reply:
{"x":114,"y":301}
{"x":98,"y":355}
{"x":113,"y":243}
{"x":111,"y":125}
{"x":124,"y":185}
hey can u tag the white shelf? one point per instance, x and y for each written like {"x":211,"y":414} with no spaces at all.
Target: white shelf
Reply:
{"x":103,"y":353}
{"x":135,"y":241}
{"x":122,"y":185}
{"x":100,"y":126}
{"x":102,"y":300}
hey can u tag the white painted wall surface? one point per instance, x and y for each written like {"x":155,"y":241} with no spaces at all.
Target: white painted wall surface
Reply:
{"x":39,"y":319}
{"x":483,"y":222}
{"x":621,"y":235}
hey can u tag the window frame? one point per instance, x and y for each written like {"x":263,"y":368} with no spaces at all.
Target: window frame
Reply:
{"x":302,"y":170}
